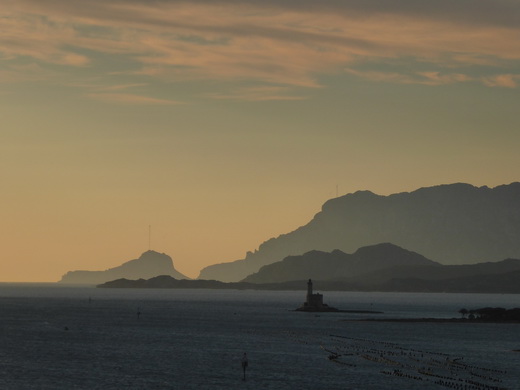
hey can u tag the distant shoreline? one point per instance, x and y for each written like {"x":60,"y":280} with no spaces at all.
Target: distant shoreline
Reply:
{"x":435,"y":320}
{"x":165,"y":281}
{"x":340,"y":311}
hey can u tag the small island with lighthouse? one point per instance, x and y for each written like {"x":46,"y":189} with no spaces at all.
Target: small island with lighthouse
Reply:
{"x":314,"y":303}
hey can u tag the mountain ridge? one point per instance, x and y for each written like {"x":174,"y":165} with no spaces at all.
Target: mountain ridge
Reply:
{"x":338,"y":265}
{"x":388,"y":268}
{"x":383,"y":267}
{"x":449,"y":223}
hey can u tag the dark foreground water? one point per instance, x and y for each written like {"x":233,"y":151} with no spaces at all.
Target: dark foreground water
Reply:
{"x":86,"y":338}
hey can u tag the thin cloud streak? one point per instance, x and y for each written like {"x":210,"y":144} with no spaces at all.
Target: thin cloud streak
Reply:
{"x":425,"y":78}
{"x":257,"y":94}
{"x":282,"y":43}
{"x":127,"y":98}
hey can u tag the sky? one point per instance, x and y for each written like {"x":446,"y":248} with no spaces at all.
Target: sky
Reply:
{"x":224,"y":123}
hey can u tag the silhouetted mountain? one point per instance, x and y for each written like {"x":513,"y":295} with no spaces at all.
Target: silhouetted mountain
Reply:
{"x":338,"y":265}
{"x":500,"y":283}
{"x":416,"y":275}
{"x":444,"y":272}
{"x":148,"y":265}
{"x":451,"y":224}
{"x":164,"y":281}
{"x":386,"y":267}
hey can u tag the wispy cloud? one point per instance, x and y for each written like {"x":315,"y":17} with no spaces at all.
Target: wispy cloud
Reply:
{"x":438,"y":78}
{"x":100,"y":87}
{"x":502,"y":80}
{"x":264,"y":93}
{"x":30,"y":72}
{"x":127,"y":98}
{"x":274,"y":42}
{"x":425,"y":78}
{"x":119,"y":94}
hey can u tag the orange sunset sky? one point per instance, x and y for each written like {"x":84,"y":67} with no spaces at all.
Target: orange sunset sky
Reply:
{"x":224,"y":123}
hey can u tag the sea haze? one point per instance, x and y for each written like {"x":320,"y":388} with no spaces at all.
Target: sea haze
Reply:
{"x":86,"y":338}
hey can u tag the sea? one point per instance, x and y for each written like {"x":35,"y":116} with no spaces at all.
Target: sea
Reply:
{"x":69,"y":337}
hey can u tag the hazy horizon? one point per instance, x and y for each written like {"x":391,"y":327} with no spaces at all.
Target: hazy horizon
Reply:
{"x":224,"y":123}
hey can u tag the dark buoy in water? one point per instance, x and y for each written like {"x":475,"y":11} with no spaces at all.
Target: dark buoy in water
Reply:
{"x":245,"y":363}
{"x":138,"y":313}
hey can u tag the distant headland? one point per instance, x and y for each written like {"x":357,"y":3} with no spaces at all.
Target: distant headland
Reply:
{"x":148,"y":265}
{"x":382,"y":267}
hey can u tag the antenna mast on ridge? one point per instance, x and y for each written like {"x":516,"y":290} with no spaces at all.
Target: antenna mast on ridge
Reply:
{"x":149,"y":237}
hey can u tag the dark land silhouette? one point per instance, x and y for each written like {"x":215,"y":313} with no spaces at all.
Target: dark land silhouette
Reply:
{"x":450,"y":224}
{"x":387,"y":267}
{"x":338,"y":265}
{"x":485,"y":314}
{"x":382,"y":267}
{"x":148,"y":265}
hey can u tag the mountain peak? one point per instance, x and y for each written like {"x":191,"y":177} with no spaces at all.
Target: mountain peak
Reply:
{"x":153,"y":255}
{"x":336,"y":264}
{"x":148,"y":265}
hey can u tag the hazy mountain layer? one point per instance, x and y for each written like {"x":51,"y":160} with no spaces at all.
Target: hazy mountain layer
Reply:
{"x":148,"y":265}
{"x":386,"y":267}
{"x":451,"y":224}
{"x":320,"y":265}
{"x":382,"y":267}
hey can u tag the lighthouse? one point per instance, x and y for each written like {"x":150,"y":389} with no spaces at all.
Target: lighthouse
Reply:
{"x":314,"y":302}
{"x":309,"y":290}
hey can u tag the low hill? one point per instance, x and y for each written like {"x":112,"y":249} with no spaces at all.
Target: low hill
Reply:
{"x":165,"y":281}
{"x":320,"y":265}
{"x":444,"y":272}
{"x":386,"y":267}
{"x":148,"y":265}
{"x":498,"y":283}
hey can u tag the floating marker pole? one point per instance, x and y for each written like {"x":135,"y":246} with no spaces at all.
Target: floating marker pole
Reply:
{"x":244,"y":365}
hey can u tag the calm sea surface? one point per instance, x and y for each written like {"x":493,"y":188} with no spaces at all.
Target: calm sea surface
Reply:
{"x":59,"y":337}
